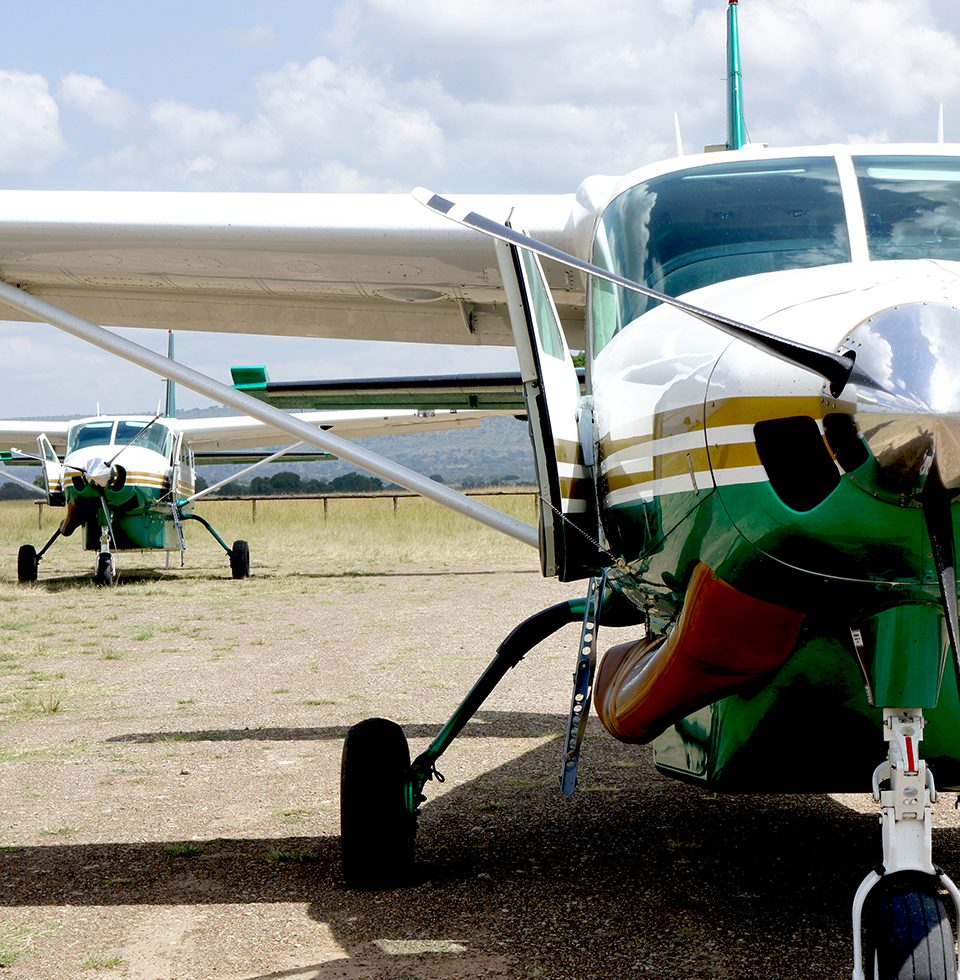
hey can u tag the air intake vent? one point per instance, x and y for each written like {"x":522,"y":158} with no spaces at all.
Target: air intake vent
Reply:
{"x":801,"y":470}
{"x":844,"y":441}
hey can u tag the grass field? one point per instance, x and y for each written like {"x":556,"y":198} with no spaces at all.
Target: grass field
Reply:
{"x":292,"y":535}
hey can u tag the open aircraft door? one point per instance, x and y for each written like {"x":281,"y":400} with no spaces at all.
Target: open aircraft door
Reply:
{"x":551,"y":392}
{"x":52,"y":472}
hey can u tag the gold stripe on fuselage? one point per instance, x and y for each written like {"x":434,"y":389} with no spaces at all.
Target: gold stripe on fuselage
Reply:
{"x":722,"y":412}
{"x":719,"y":414}
{"x":685,"y":461}
{"x":568,"y":451}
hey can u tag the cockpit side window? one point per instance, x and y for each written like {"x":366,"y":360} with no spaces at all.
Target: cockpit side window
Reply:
{"x":89,"y":434}
{"x":911,"y":206}
{"x":692,"y":228}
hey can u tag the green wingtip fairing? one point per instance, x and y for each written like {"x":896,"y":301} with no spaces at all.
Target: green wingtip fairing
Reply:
{"x":248,"y":376}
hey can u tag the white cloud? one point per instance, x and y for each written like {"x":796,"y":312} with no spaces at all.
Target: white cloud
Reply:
{"x":207,"y":148}
{"x":838,"y":73}
{"x":185,"y":127}
{"x":93,"y":96}
{"x":330,"y":113}
{"x":29,"y":123}
{"x":472,"y":95}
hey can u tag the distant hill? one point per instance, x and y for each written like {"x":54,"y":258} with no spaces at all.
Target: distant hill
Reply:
{"x":498,"y":450}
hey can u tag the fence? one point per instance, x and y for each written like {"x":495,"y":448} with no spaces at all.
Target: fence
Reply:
{"x":395,"y":495}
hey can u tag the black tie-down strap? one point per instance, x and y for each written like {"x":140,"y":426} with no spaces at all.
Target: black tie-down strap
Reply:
{"x":582,"y":683}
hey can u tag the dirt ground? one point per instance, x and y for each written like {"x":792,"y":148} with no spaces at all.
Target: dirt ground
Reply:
{"x":169,"y":768}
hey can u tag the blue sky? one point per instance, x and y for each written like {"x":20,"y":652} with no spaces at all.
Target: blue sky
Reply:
{"x":382,"y":95}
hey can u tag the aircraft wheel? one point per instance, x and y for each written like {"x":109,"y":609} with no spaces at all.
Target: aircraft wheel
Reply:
{"x":240,"y":559}
{"x":104,"y":574}
{"x":377,"y":831}
{"x":27,"y":563}
{"x":909,"y":936}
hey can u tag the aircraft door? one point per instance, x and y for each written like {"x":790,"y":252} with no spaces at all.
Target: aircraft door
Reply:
{"x":52,"y":472}
{"x":181,"y":471}
{"x":551,"y":394}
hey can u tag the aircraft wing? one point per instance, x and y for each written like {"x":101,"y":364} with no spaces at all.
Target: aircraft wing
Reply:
{"x":22,"y":433}
{"x":355,"y":266}
{"x":502,"y":390}
{"x":233,"y":433}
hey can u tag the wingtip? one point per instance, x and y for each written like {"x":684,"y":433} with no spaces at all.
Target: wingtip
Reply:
{"x":435,"y":202}
{"x":423,"y":195}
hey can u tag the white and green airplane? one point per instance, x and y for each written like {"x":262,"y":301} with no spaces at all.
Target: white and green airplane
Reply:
{"x":760,"y":477}
{"x":128,"y":481}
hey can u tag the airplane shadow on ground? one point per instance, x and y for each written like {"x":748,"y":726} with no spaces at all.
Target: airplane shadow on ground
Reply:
{"x":126,"y":579}
{"x":149,"y":576}
{"x":635,"y":874}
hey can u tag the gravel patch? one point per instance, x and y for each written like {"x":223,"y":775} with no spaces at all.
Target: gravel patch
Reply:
{"x":176,"y":815}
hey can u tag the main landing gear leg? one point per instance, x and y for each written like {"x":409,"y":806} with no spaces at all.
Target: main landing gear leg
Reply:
{"x":239,"y":554}
{"x":897,"y":906}
{"x":28,"y":559}
{"x":381,"y":790}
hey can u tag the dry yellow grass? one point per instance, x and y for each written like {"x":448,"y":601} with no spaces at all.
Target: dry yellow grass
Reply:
{"x":294,"y":534}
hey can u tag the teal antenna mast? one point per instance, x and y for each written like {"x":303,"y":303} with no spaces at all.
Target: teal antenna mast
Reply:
{"x":736,"y":128}
{"x":170,"y":408}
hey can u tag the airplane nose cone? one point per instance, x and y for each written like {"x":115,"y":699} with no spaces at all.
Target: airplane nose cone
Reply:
{"x":98,"y":472}
{"x":910,"y":415}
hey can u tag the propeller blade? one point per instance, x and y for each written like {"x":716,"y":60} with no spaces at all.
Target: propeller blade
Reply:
{"x":836,"y":369}
{"x":106,"y":516}
{"x":936,"y":501}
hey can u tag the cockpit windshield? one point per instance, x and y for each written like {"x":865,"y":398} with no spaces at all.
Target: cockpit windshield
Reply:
{"x":90,"y":434}
{"x":155,"y":437}
{"x":703,"y":225}
{"x":911,"y":206}
{"x":107,"y":432}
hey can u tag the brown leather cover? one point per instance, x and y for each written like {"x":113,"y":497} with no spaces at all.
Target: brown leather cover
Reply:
{"x":723,"y":640}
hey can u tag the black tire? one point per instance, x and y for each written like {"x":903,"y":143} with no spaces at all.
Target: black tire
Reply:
{"x":909,"y":936}
{"x":27,"y":563}
{"x":240,"y":559}
{"x":377,"y":830}
{"x":104,"y":573}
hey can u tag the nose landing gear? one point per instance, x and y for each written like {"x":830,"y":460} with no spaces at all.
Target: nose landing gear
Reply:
{"x":898,"y":907}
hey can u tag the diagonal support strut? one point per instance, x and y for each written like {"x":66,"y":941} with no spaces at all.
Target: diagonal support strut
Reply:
{"x":167,"y":368}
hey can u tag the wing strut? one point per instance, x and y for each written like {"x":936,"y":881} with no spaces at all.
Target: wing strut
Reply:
{"x":236,"y":476}
{"x":165,"y":367}
{"x":21,"y":481}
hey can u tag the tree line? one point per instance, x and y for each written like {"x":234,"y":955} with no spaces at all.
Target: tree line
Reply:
{"x":286,"y":483}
